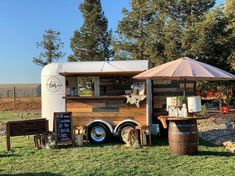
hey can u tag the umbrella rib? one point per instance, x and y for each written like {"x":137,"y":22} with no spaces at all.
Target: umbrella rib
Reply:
{"x":193,"y":73}
{"x":206,"y":70}
{"x":178,"y":66}
{"x":175,"y":69}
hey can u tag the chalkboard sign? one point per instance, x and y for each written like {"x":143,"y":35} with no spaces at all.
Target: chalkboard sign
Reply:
{"x":63,"y":127}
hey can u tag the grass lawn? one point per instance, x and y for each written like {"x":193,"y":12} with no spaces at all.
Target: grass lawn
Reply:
{"x":5,"y":116}
{"x":112,"y":159}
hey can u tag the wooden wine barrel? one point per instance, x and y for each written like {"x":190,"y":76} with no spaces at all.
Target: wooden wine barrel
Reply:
{"x":183,"y":137}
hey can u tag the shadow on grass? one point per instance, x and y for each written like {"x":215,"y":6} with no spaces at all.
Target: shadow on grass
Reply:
{"x":8,"y":155}
{"x":69,"y":146}
{"x":33,"y":174}
{"x":159,"y":141}
{"x":203,"y":142}
{"x":214,"y":153}
{"x":156,"y":141}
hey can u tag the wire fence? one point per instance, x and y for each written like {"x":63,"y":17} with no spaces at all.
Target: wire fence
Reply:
{"x":15,"y":92}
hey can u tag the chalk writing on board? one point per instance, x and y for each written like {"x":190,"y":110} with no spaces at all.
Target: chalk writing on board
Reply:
{"x":63,"y":127}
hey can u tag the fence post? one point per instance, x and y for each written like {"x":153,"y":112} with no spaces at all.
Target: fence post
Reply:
{"x":14,"y":93}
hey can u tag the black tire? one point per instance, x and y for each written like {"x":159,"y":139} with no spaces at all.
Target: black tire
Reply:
{"x":122,"y":127}
{"x":98,"y":133}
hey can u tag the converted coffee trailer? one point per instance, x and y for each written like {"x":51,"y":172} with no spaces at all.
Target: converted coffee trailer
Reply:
{"x":96,"y":93}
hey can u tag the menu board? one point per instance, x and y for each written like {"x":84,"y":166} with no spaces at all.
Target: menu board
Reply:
{"x":63,"y":127}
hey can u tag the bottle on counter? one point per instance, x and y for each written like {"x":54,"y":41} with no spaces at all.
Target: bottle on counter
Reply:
{"x":68,"y":91}
{"x":75,"y":92}
{"x":72,"y":91}
{"x":184,"y":111}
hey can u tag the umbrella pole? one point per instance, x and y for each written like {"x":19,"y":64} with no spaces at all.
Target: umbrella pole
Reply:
{"x":184,"y":94}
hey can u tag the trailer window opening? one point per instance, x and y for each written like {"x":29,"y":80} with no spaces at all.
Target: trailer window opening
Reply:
{"x":80,"y":86}
{"x":100,"y":85}
{"x":114,"y":85}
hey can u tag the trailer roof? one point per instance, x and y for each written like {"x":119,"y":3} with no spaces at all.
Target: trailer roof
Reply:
{"x":128,"y":67}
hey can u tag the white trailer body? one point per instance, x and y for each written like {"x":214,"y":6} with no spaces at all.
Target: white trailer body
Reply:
{"x":53,"y":83}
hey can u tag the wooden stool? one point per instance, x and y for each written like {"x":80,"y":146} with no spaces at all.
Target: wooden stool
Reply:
{"x":144,"y":132}
{"x":81,"y":130}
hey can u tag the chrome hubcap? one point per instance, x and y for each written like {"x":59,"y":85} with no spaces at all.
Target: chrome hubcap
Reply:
{"x":98,"y":134}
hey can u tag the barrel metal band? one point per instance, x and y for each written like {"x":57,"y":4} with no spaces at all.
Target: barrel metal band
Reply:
{"x":182,"y":143}
{"x":184,"y":133}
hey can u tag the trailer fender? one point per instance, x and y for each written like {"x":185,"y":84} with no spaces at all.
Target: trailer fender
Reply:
{"x":125,"y":121}
{"x":104,"y":122}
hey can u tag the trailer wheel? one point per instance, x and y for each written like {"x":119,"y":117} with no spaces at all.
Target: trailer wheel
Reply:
{"x":123,"y":128}
{"x":98,"y":133}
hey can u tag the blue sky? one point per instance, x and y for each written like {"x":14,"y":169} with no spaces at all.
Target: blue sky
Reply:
{"x":23,"y":23}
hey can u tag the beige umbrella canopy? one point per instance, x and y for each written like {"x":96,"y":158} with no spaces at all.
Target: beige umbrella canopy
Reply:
{"x":185,"y":69}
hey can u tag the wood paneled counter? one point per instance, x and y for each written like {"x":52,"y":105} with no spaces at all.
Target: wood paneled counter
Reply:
{"x":112,"y":109}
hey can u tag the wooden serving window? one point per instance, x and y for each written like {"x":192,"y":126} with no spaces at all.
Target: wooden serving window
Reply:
{"x":99,"y":85}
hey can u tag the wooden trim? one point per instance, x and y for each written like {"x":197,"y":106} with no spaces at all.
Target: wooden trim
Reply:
{"x":93,"y":97}
{"x":105,"y":109}
{"x":24,"y":120}
{"x":120,"y":73}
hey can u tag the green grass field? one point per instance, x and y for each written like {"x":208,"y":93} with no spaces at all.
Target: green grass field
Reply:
{"x":112,"y":159}
{"x":5,"y":116}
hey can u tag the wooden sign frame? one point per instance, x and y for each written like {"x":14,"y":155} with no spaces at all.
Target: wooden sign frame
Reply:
{"x":55,"y":128}
{"x":24,"y":127}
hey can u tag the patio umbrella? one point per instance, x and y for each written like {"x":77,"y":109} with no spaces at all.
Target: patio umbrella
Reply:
{"x":185,"y":69}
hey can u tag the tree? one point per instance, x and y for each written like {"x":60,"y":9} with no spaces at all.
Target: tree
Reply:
{"x":51,"y":46}
{"x":133,"y":31}
{"x":153,"y":29}
{"x":179,"y":18}
{"x":230,"y":14}
{"x":92,"y":42}
{"x":212,"y":40}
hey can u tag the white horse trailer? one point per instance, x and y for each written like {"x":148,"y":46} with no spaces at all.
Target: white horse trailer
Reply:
{"x":96,"y":92}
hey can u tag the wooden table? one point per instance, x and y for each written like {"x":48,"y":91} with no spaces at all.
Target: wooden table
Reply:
{"x":182,"y":134}
{"x":163,"y":119}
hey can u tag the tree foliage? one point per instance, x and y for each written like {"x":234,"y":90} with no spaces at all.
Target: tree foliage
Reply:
{"x":133,"y":31}
{"x":230,"y":14}
{"x":51,"y":45}
{"x":153,"y":29}
{"x":213,"y":40}
{"x":161,"y":31}
{"x":92,"y":41}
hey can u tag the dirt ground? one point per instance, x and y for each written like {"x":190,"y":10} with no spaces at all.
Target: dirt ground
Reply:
{"x":23,"y":107}
{"x":19,"y":105}
{"x":218,"y":129}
